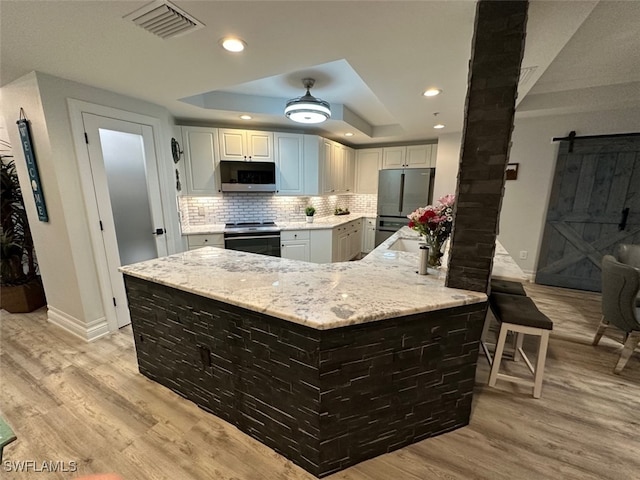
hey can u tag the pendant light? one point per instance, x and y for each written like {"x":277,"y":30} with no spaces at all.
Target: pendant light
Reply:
{"x":308,"y":109}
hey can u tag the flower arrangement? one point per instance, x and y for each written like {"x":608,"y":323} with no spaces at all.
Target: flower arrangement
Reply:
{"x":434,"y":222}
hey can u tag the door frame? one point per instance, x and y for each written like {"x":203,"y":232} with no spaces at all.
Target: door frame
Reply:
{"x":76,"y":109}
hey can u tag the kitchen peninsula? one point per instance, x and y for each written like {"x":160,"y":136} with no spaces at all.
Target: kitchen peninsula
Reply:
{"x":328,"y":364}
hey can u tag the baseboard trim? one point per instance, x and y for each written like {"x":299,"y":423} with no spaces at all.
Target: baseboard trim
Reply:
{"x":87,"y":331}
{"x":531,"y":275}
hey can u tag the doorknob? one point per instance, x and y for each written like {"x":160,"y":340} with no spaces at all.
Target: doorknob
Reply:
{"x":159,"y":231}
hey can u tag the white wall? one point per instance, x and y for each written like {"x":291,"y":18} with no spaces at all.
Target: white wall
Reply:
{"x":524,"y":207}
{"x":525,"y":201}
{"x":63,"y":244}
{"x":447,"y":164}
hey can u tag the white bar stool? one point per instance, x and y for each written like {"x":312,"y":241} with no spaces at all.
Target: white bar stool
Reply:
{"x":519,"y":314}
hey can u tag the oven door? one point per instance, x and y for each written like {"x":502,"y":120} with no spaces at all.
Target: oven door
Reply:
{"x":262,"y":244}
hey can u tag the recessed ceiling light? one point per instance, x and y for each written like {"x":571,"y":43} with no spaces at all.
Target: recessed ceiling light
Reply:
{"x":232,"y":44}
{"x":432,"y":92}
{"x":246,"y":117}
{"x":439,"y":126}
{"x":348,"y":134}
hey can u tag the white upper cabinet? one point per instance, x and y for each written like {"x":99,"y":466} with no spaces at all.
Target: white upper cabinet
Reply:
{"x":328,"y":166}
{"x":246,"y":145}
{"x":338,"y":180}
{"x":367,"y":163}
{"x":337,"y":168}
{"x":200,"y":154}
{"x":288,"y":149}
{"x":350,"y":169}
{"x":419,"y":156}
{"x":393,"y":157}
{"x":412,"y":156}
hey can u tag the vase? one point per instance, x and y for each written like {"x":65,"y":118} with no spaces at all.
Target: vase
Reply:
{"x":309,"y":218}
{"x":435,"y":252}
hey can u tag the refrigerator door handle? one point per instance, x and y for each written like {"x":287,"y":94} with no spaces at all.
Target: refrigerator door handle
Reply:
{"x":400,"y":203}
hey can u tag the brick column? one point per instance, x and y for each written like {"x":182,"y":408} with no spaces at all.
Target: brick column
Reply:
{"x":498,"y":46}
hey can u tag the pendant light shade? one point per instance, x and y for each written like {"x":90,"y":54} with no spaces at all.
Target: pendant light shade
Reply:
{"x":307,"y":109}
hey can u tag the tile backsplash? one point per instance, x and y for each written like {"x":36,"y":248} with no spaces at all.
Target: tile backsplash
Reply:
{"x":259,"y":207}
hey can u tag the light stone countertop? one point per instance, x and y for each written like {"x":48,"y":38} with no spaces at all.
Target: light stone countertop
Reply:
{"x":319,"y":223}
{"x":323,"y":296}
{"x":203,"y":229}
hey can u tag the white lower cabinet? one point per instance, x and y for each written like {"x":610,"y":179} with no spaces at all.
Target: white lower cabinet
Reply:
{"x":355,"y":238}
{"x":208,"y":240}
{"x":294,"y":245}
{"x":369,"y":235}
{"x":346,"y":241}
{"x":320,"y":242}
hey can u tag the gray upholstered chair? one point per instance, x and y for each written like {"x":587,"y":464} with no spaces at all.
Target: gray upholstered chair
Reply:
{"x":630,"y":255}
{"x":620,"y":286}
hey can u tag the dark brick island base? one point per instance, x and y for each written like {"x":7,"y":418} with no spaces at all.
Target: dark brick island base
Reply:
{"x":325,"y":399}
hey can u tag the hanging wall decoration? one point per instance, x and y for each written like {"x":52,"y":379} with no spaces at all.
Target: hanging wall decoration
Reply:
{"x":176,"y":153}
{"x":32,"y":166}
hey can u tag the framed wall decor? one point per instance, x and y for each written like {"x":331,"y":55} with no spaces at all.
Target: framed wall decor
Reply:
{"x":32,"y":167}
{"x":512,"y":171}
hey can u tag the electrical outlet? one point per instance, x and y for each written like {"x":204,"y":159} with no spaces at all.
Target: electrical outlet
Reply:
{"x":523,"y":254}
{"x":201,"y":211}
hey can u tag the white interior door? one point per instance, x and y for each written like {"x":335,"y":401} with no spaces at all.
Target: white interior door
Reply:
{"x":127,"y":193}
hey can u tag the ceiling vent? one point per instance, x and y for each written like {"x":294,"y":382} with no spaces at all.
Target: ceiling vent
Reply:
{"x":164,"y":19}
{"x":525,"y":75}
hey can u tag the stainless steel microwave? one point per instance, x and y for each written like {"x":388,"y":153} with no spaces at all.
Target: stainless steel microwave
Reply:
{"x":247,"y":176}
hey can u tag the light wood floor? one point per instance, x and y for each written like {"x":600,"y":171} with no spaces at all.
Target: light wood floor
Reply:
{"x":72,"y":401}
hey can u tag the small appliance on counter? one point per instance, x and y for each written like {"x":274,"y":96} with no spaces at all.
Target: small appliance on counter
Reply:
{"x":236,"y":176}
{"x":400,"y":192}
{"x":254,"y":237}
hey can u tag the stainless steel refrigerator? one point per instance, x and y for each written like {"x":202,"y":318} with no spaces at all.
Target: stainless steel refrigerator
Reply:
{"x":400,"y":192}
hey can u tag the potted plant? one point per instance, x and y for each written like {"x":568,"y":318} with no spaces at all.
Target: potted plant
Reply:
{"x":309,"y":212}
{"x":20,"y":285}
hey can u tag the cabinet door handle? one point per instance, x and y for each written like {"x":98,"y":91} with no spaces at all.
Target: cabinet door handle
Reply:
{"x":623,"y":221}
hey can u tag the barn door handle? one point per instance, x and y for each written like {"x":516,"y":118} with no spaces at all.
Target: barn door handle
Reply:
{"x":623,"y":221}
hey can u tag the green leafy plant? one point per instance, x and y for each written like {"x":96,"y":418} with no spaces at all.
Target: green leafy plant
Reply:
{"x":309,"y":211}
{"x":17,"y":261}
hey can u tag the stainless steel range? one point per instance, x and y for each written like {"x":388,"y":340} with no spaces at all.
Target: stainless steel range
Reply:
{"x":254,"y":237}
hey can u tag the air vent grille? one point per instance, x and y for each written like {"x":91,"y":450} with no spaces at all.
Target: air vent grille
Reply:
{"x":164,"y":19}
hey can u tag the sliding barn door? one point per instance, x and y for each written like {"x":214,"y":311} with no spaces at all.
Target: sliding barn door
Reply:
{"x":594,"y":206}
